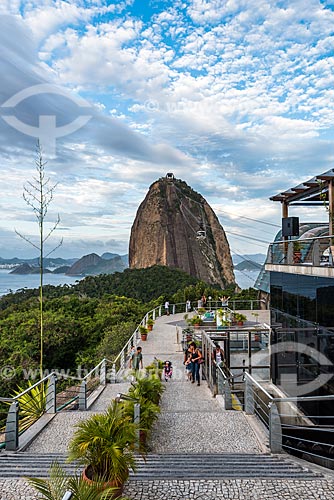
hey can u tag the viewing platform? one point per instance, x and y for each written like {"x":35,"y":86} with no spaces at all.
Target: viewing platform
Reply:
{"x":198,"y":450}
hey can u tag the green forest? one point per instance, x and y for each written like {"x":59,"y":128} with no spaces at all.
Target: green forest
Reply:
{"x":87,"y":321}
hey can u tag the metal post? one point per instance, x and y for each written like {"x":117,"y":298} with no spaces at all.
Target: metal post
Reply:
{"x":103,"y":373}
{"x":12,"y":427}
{"x":159,"y":311}
{"x":220,"y":382}
{"x":173,"y":309}
{"x":249,"y":397}
{"x":113,"y":374}
{"x":275,"y":430}
{"x":153,"y":315}
{"x":83,"y":396}
{"x":50,"y":400}
{"x":227,"y":395}
{"x":316,"y":253}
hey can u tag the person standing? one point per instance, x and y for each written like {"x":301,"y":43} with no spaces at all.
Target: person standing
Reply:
{"x":196,"y":356}
{"x":224,"y":300}
{"x":131,"y":353}
{"x":167,"y":307}
{"x":137,"y":360}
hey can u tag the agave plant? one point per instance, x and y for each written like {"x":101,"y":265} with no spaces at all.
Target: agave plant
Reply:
{"x":60,"y":482}
{"x":103,"y":443}
{"x":32,"y":404}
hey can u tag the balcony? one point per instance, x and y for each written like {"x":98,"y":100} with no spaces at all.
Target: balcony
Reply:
{"x":308,"y":256}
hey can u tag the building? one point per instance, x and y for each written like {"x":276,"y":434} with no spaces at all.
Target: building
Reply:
{"x":299,"y":275}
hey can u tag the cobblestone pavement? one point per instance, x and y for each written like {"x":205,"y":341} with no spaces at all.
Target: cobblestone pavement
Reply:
{"x":191,"y":420}
{"x":237,"y":489}
{"x":58,"y":433}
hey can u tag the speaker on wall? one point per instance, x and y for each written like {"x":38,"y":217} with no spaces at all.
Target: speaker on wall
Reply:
{"x":290,"y":226}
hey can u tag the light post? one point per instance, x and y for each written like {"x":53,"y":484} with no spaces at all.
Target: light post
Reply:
{"x":210,"y":302}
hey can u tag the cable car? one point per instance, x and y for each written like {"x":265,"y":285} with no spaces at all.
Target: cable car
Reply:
{"x":170,"y":176}
{"x":200,"y":235}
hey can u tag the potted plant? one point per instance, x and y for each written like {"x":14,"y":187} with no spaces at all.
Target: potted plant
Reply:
{"x":143,"y":332}
{"x":240,"y":318}
{"x":59,"y":483}
{"x":297,"y":252}
{"x":149,"y":324}
{"x":196,"y":321}
{"x":147,"y":392}
{"x":102,"y":444}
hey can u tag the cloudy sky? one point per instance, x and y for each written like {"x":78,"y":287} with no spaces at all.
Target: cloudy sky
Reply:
{"x":233,"y":96}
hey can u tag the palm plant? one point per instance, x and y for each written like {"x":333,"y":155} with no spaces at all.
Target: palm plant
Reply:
{"x":150,"y":388}
{"x":59,"y":482}
{"x":102,"y":443}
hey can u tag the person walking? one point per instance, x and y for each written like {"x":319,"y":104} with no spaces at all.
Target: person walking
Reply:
{"x":196,"y":357}
{"x":137,"y":360}
{"x":218,"y":356}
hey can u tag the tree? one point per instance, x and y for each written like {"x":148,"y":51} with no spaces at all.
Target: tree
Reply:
{"x":38,"y":194}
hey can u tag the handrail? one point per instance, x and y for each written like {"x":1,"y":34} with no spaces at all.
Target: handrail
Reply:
{"x":93,"y":370}
{"x":255,"y":382}
{"x":14,"y":398}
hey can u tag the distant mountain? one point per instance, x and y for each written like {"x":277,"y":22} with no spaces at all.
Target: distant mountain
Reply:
{"x":109,"y":255}
{"x":92,"y":264}
{"x":48,"y":262}
{"x":248,"y":265}
{"x":253,"y":257}
{"x":27,"y":269}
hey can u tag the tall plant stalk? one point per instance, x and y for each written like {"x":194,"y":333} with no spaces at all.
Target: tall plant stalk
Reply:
{"x":38,"y":194}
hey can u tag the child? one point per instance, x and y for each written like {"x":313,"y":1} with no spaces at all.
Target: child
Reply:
{"x":188,"y":365}
{"x":168,"y":371}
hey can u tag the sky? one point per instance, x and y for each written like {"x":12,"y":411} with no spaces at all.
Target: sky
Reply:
{"x":235,"y":97}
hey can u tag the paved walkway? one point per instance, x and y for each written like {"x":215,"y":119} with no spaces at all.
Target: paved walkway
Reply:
{"x":191,"y":421}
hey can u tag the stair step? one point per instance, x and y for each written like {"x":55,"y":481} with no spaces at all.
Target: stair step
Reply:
{"x":168,"y":466}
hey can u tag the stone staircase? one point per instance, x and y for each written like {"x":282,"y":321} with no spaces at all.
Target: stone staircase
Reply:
{"x":179,"y":466}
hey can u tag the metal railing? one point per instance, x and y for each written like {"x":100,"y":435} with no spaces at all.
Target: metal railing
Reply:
{"x":291,"y":428}
{"x":317,"y":251}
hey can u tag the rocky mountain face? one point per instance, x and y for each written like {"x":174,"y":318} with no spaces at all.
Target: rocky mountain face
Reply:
{"x":176,"y":227}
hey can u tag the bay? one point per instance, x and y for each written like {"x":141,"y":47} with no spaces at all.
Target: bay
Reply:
{"x":13,"y":282}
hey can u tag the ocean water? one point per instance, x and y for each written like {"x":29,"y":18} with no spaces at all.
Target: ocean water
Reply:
{"x":13,"y":282}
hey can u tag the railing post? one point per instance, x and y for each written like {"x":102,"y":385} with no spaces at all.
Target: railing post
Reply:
{"x":12,"y":427}
{"x":173,"y":309}
{"x":227,"y":395}
{"x":113,"y":374}
{"x":50,"y":404}
{"x":249,"y":397}
{"x":103,"y":373}
{"x":83,"y":396}
{"x":220,"y":381}
{"x":316,"y":253}
{"x":275,"y":430}
{"x":153,"y":315}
